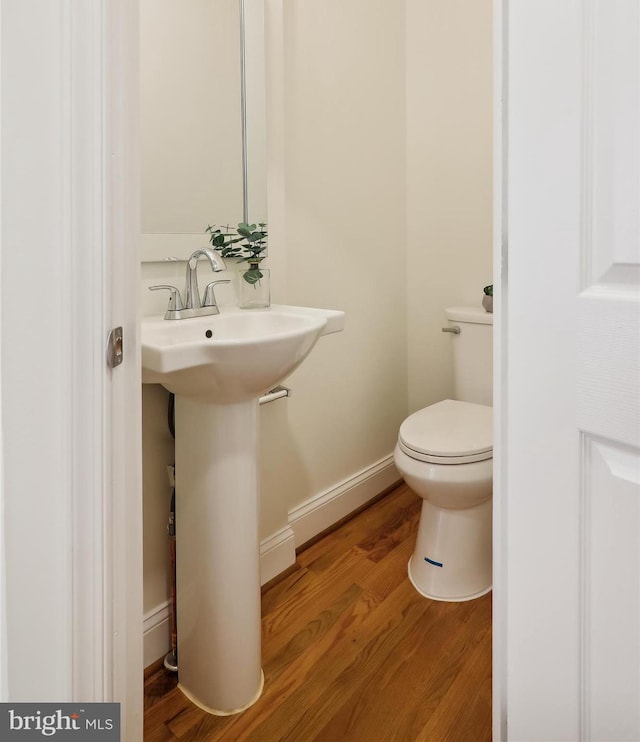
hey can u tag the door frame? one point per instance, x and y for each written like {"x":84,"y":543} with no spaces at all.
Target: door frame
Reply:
{"x":71,"y":515}
{"x":500,"y":370}
{"x":124,"y":443}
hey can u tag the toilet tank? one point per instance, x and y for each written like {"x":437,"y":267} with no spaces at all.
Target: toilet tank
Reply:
{"x":472,"y":354}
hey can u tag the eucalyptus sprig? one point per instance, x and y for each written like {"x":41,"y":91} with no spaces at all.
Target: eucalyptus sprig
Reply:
{"x":222,"y":239}
{"x":253,"y":239}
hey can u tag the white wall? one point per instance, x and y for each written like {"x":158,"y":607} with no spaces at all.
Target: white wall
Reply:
{"x":449,"y":178}
{"x":363,"y":156}
{"x":344,"y":165}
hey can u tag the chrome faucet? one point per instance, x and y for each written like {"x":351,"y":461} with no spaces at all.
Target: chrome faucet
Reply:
{"x":191,"y":292}
{"x":192,"y":305}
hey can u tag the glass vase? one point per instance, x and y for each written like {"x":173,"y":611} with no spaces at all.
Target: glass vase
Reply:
{"x":254,"y":288}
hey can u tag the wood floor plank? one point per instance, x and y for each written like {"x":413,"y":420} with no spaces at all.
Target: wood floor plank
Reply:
{"x":335,"y":544}
{"x":279,"y":689}
{"x":466,"y":705}
{"x":157,"y":686}
{"x":316,"y":595}
{"x":415,"y":679}
{"x":351,"y":652}
{"x":397,"y":529}
{"x":390,"y":571}
{"x":188,"y":719}
{"x":156,"y":720}
{"x":357,"y":655}
{"x":159,"y":733}
{"x":284,"y":590}
{"x":310,"y":634}
{"x":366,"y":713}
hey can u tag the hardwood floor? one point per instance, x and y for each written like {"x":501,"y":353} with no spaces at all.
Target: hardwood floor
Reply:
{"x":351,"y":652}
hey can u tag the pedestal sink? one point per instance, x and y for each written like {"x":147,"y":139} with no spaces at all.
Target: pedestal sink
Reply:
{"x":217,"y":367}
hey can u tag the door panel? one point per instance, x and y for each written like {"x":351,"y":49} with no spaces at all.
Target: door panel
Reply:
{"x":611,"y":568}
{"x":571,"y":499}
{"x":612,"y":147}
{"x":608,"y":310}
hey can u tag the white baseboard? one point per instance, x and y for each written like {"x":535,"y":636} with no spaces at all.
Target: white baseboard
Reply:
{"x":323,"y":510}
{"x":277,"y":553}
{"x":156,"y":633}
{"x":279,"y":550}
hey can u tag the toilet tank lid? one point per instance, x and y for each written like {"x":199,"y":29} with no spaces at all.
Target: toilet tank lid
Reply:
{"x":475,"y":315}
{"x":449,"y":428}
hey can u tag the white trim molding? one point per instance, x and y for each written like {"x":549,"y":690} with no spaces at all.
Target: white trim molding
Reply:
{"x":325,"y":509}
{"x":4,"y":690}
{"x":123,"y":455}
{"x":277,"y":553}
{"x":84,"y":72}
{"x":500,"y":369}
{"x":156,"y":631}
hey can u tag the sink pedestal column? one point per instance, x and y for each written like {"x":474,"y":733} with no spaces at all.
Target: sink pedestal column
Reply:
{"x":218,"y":554}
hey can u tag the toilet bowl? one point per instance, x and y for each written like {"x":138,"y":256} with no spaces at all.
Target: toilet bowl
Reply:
{"x":445,"y":454}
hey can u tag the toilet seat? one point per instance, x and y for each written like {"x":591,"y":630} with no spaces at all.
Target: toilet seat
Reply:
{"x":448,"y":432}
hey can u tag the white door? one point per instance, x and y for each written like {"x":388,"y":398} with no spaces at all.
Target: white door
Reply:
{"x":70,"y":494}
{"x":568,"y":502}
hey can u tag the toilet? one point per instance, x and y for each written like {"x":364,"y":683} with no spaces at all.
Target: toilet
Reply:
{"x":445,"y":454}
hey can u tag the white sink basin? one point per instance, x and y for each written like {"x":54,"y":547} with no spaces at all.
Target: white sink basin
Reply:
{"x":234,"y":356}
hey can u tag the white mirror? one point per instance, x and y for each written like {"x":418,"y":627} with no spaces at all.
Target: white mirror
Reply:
{"x":203,"y":139}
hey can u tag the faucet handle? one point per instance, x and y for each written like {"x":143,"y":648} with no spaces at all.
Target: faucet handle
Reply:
{"x":175,"y":302}
{"x":209,"y":299}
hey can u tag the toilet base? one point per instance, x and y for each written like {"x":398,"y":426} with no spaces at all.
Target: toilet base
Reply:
{"x":452,"y":559}
{"x":460,"y":599}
